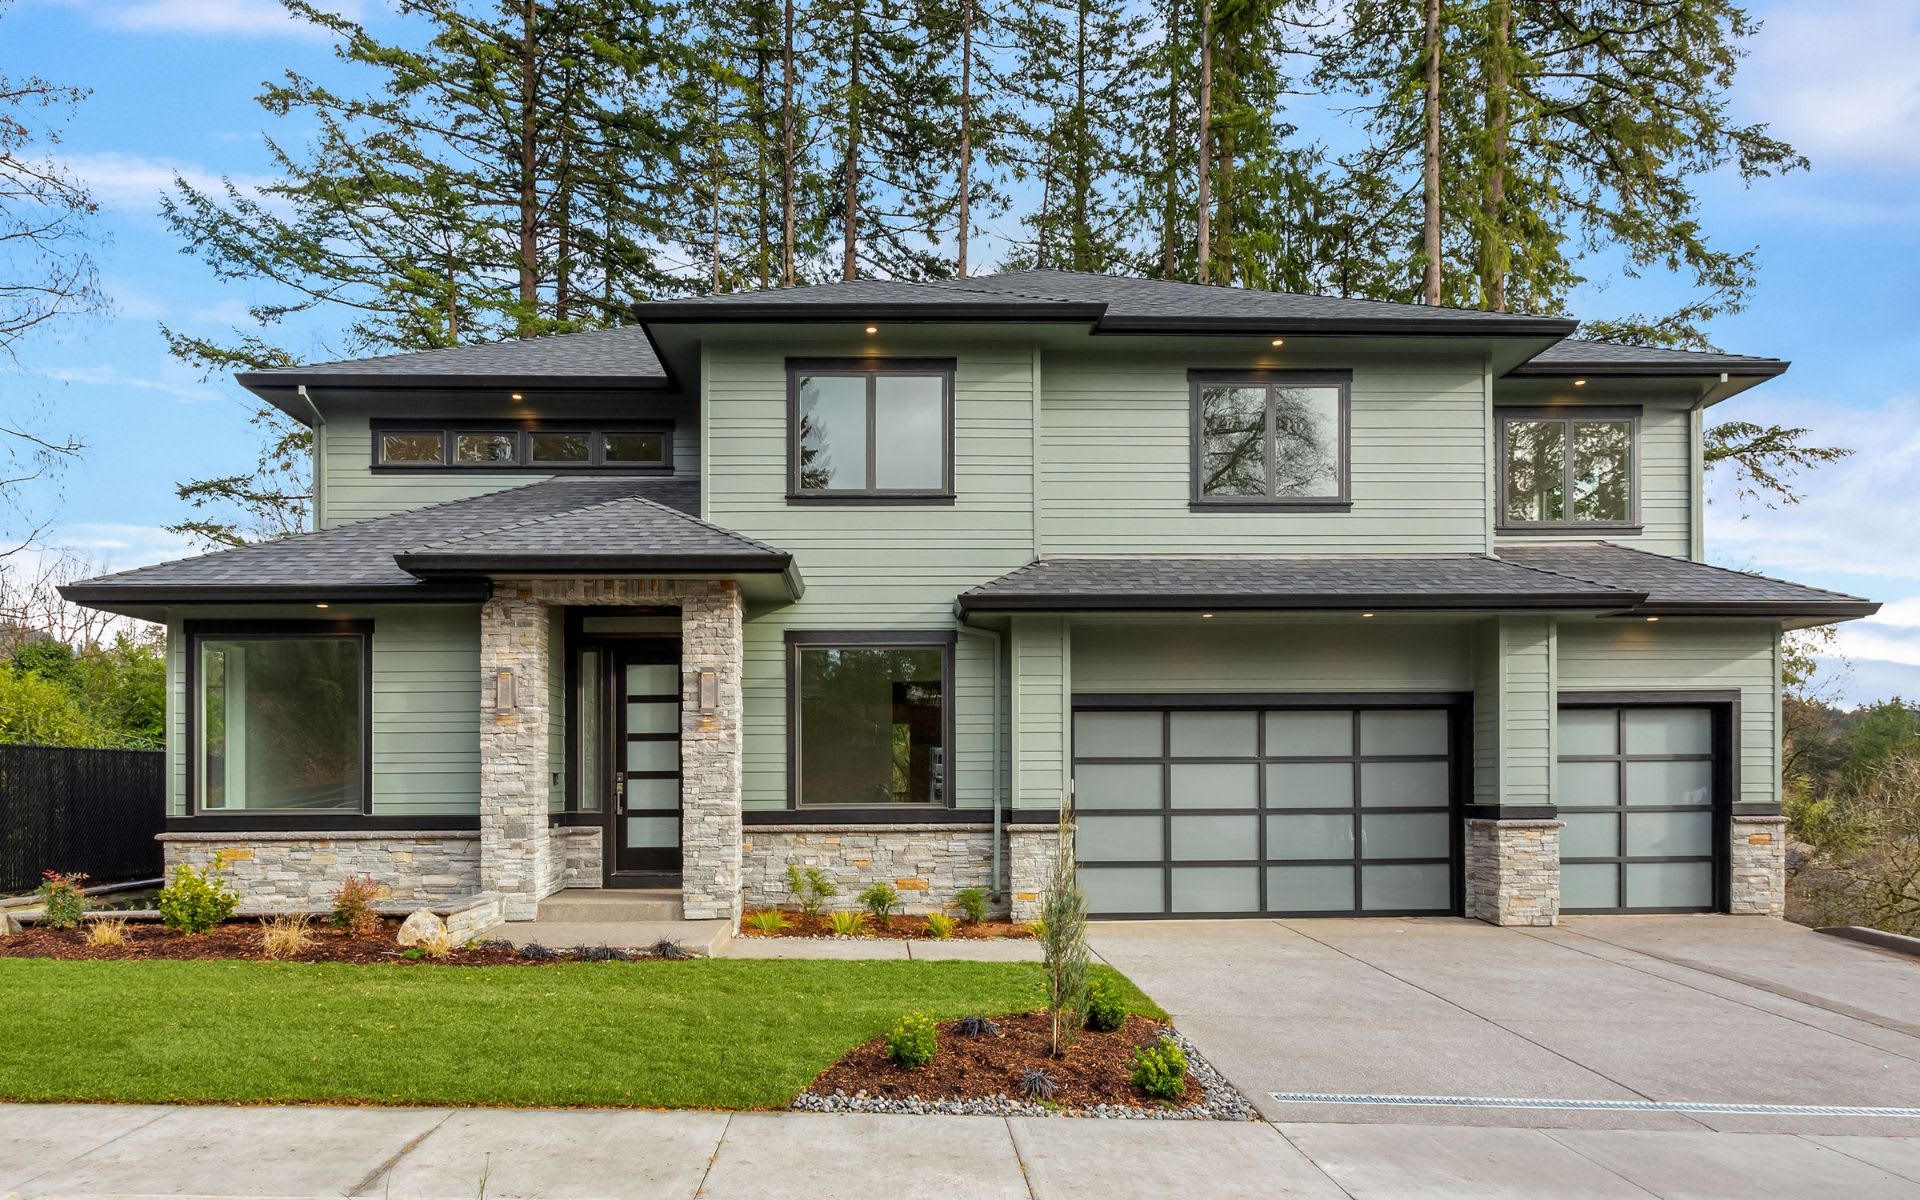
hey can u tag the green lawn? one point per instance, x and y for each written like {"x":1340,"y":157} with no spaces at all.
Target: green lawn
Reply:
{"x":703,"y":1034}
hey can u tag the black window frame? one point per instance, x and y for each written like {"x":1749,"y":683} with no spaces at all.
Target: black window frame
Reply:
{"x":1567,"y":415}
{"x":1200,"y":380}
{"x":197,"y":632}
{"x":945,"y":640}
{"x":871,"y":369}
{"x":523,"y":430}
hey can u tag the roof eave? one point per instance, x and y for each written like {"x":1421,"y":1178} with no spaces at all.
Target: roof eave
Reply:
{"x":674,"y":312}
{"x":1830,"y":610}
{"x":1380,"y":602}
{"x":1767,"y":369}
{"x":109,"y":597}
{"x":445,"y":565}
{"x":1555,"y":327}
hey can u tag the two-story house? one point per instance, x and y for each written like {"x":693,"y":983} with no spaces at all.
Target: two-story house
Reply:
{"x":1312,"y":605}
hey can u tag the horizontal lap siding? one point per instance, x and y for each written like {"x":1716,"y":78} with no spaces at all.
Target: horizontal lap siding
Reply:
{"x":1688,"y":656}
{"x":1042,"y":659}
{"x":426,"y":704}
{"x":873,"y":567}
{"x":1272,"y":658}
{"x":1116,"y":473}
{"x":1666,"y":488}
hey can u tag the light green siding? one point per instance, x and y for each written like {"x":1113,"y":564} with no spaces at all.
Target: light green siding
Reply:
{"x":1227,"y":655}
{"x":1513,"y":711}
{"x":1116,"y":473}
{"x":1041,"y":653}
{"x":1666,"y":482}
{"x":1689,"y":656}
{"x":426,"y":703}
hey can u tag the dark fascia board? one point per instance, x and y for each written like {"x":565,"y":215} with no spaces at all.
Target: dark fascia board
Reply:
{"x":750,"y":311}
{"x":1764,"y":369}
{"x":430,"y":565}
{"x":1557,"y":327}
{"x":1384,"y":601}
{"x":105,"y":596}
{"x":1839,"y":610}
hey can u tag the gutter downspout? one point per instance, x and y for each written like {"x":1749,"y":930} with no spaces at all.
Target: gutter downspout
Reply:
{"x":319,"y":474}
{"x":993,"y":636}
{"x":1697,"y":453}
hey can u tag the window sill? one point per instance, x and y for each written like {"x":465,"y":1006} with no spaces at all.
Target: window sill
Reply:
{"x":316,"y":822}
{"x":1270,"y":505}
{"x":827,"y":499}
{"x":1566,"y":530}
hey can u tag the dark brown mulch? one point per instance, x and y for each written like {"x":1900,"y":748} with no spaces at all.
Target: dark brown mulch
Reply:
{"x":799,"y":925}
{"x":1094,"y":1070}
{"x":241,"y":940}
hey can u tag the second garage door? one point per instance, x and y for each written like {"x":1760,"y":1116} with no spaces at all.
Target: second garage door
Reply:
{"x":1265,"y":810}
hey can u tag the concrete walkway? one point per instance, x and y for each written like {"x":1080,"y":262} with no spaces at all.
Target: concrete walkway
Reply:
{"x":405,"y":1154}
{"x":919,"y":949}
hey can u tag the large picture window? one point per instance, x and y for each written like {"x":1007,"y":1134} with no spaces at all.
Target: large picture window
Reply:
{"x":879,"y":430}
{"x":548,"y":447}
{"x":1271,"y":439}
{"x":280,"y":717}
{"x":1563,"y":470}
{"x":870,"y":723}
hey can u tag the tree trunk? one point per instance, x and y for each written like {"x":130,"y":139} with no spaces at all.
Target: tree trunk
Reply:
{"x":529,"y":199}
{"x":850,"y":263}
{"x":1080,"y":238}
{"x":1430,"y":226}
{"x":1170,"y":199}
{"x":1205,"y":187}
{"x":1499,"y":114}
{"x":786,"y":165}
{"x":966,"y":130}
{"x":714,"y":157}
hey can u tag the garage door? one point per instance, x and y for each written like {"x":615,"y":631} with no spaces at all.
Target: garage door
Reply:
{"x":1636,"y":792}
{"x":1276,"y":811}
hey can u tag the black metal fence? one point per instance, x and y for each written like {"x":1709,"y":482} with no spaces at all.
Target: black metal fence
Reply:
{"x":90,"y":811}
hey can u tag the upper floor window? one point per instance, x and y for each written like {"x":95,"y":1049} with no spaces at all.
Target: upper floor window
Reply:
{"x":1270,"y":439}
{"x":878,"y":429}
{"x":542,"y":446}
{"x":1564,"y":469}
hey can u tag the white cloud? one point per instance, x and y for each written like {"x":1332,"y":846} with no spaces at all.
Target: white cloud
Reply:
{"x":1838,"y":80}
{"x":135,"y":181}
{"x":180,"y":381}
{"x":246,"y":18}
{"x":117,"y":546}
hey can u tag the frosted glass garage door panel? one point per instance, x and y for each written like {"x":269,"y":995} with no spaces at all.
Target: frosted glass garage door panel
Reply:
{"x":1124,"y":889}
{"x":1669,"y":885}
{"x":1668,"y":834}
{"x":1315,"y":734}
{"x":1589,"y":885}
{"x":1405,"y":888}
{"x":1404,"y":785}
{"x":1119,"y":839}
{"x":1398,"y":733}
{"x":1117,"y":735}
{"x":1669,"y":783}
{"x":1404,"y":835}
{"x":1587,"y":784}
{"x":1216,"y":838}
{"x":1213,"y":735}
{"x":645,"y":833}
{"x":1589,"y":835}
{"x":1216,"y":889}
{"x":653,"y":679}
{"x":1589,"y":731}
{"x":1669,"y":731}
{"x":1310,"y":835}
{"x":1100,"y":785}
{"x":1310,"y":785}
{"x":1309,"y":889}
{"x":1214,"y":785}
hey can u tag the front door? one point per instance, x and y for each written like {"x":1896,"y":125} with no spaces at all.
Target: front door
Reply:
{"x":646,"y":779}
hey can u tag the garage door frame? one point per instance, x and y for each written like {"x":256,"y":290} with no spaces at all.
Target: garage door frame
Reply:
{"x":1723,"y":708}
{"x":1458,"y":707}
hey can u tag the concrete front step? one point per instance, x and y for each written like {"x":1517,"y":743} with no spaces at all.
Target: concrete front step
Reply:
{"x":589,"y":906}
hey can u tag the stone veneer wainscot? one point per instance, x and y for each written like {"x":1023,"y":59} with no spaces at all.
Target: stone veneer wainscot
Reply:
{"x":927,"y":862}
{"x":1513,"y":871}
{"x":299,"y":872}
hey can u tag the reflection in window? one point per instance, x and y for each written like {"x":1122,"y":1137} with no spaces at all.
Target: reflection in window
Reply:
{"x":560,"y":448}
{"x":1278,"y":442}
{"x":872,"y":725}
{"x":280,"y":723}
{"x":871,"y":432}
{"x":1566,"y":471}
{"x":631,"y":449}
{"x":425,"y":448}
{"x":485,"y":447}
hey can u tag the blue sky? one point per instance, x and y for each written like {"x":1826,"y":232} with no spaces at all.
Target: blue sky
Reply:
{"x":173,"y":86}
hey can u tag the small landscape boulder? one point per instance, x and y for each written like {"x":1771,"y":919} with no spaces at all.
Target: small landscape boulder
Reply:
{"x":8,"y":926}
{"x":418,"y":927}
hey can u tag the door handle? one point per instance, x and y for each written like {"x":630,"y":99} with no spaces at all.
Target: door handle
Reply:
{"x":620,"y":791}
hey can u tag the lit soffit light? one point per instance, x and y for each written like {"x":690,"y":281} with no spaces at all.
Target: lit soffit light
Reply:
{"x":1279,"y":341}
{"x":1579,"y":383}
{"x":320,"y":606}
{"x":873,"y":329}
{"x":516,"y":396}
{"x":1367,"y":615}
{"x":1651,"y":620}
{"x":1206,"y":616}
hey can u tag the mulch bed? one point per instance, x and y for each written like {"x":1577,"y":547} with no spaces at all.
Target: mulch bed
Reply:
{"x":1094,"y":1070}
{"x":241,"y":940}
{"x":799,"y":925}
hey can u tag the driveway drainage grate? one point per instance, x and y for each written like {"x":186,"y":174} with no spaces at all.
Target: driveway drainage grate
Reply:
{"x":1677,"y":1106}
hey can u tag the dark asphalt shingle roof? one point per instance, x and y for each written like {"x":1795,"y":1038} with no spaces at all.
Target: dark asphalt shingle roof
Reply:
{"x":611,"y":532}
{"x":624,"y":355}
{"x":1272,"y":581}
{"x":1677,"y":586}
{"x":1604,"y":358}
{"x":358,"y":559}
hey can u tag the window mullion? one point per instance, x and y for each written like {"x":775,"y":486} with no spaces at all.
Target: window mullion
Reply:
{"x":873,"y":432}
{"x":1272,"y":446}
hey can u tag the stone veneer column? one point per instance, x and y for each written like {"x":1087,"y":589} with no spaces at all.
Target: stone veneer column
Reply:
{"x":1513,"y":871}
{"x":1758,"y":858}
{"x":514,"y":842}
{"x":711,"y":639}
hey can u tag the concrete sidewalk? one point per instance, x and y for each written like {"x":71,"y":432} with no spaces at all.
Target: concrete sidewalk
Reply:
{"x":101,"y":1151}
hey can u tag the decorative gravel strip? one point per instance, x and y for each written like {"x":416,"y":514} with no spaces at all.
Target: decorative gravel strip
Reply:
{"x":1222,"y":1102}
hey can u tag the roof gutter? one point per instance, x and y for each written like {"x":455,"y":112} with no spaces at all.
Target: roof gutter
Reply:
{"x":1404,"y":602}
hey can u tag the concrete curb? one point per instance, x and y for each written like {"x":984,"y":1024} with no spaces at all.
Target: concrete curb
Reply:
{"x":1880,"y":938}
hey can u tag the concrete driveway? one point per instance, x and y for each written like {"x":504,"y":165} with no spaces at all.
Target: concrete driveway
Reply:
{"x":1728,"y":1010}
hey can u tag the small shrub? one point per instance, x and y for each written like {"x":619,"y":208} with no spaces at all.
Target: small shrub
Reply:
{"x":1037,"y":1083}
{"x":1160,"y":1070}
{"x":286,"y":935}
{"x":109,"y":932}
{"x":972,"y":903}
{"x":63,"y":899}
{"x":1106,"y":1011}
{"x":847,"y":924}
{"x":811,"y":888}
{"x":767,"y":920}
{"x":353,"y":902}
{"x":1038,"y":929}
{"x":194,"y":903}
{"x":912,"y":1041}
{"x":940,"y":926}
{"x":977,"y":1027}
{"x":881,"y":899}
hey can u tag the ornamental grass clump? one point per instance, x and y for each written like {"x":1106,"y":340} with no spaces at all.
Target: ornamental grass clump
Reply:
{"x":939,"y":926}
{"x":767,"y":920}
{"x":63,"y":899}
{"x":353,"y":913}
{"x":882,"y":900}
{"x":913,"y":1040}
{"x":810,"y":888}
{"x":193,"y":903}
{"x":847,"y":923}
{"x":286,"y":935}
{"x":1160,"y":1069}
{"x":109,"y":931}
